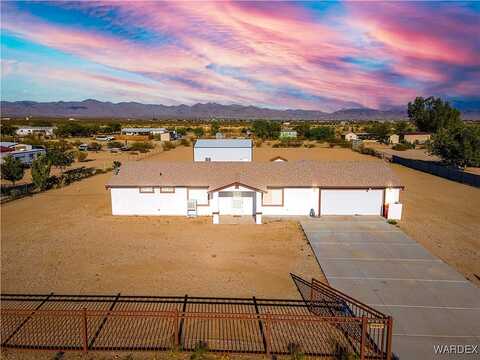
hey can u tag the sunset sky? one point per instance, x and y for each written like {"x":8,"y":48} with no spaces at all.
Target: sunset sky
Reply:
{"x":309,"y":55}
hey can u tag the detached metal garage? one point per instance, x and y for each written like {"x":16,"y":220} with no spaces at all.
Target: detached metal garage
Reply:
{"x":351,"y":202}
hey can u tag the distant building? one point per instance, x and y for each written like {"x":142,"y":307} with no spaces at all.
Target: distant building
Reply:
{"x":223,"y":150}
{"x":23,"y":152}
{"x":288,"y":134}
{"x":394,"y":139}
{"x":278,"y":158}
{"x":350,"y":136}
{"x":416,"y":137}
{"x":30,"y":130}
{"x":219,"y":135}
{"x":131,"y":131}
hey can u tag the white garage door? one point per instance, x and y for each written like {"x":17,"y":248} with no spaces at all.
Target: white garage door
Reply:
{"x":351,"y":202}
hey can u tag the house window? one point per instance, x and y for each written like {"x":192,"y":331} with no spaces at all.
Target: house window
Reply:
{"x":167,"y":189}
{"x":146,"y":190}
{"x":273,"y":197}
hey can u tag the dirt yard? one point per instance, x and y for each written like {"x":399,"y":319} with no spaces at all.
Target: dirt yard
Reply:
{"x":65,"y":240}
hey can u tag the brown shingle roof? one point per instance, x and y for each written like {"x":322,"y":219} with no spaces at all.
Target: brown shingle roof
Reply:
{"x":259,"y":175}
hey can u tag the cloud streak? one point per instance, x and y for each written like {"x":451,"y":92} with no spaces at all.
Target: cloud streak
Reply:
{"x":280,"y":55}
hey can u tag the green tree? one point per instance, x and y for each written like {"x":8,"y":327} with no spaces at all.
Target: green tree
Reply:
{"x":12,"y":169}
{"x":322,"y":133}
{"x":432,"y":114}
{"x":214,"y":127}
{"x":381,"y":131}
{"x":457,"y":145}
{"x":401,"y":127}
{"x":266,"y":129}
{"x":8,"y":130}
{"x":303,"y":130}
{"x":41,"y":172}
{"x":60,"y":158}
{"x":198,"y":131}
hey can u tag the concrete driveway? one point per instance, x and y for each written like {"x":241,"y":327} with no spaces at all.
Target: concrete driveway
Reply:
{"x":378,"y":264}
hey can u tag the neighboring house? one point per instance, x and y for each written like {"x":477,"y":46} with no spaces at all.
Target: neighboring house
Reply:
{"x":25,"y":153}
{"x":255,"y":189}
{"x":416,"y":137}
{"x":223,"y":150}
{"x":219,"y":135}
{"x":394,"y":139}
{"x":30,"y":130}
{"x":288,"y":134}
{"x":132,"y":131}
{"x":350,"y":136}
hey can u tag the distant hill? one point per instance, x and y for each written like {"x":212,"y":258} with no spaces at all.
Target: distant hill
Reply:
{"x":97,"y":109}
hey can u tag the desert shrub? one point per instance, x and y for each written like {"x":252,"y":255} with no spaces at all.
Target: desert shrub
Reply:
{"x":168,"y":145}
{"x":114,"y":144}
{"x":41,"y":172}
{"x":200,"y":351}
{"x":94,"y":146}
{"x":309,"y":146}
{"x":367,"y":151}
{"x":185,"y":142}
{"x":339,"y":142}
{"x":295,"y":351}
{"x":258,"y":143}
{"x":401,"y":147}
{"x":392,"y":222}
{"x":288,"y":143}
{"x":141,"y":146}
{"x":77,"y":143}
{"x":81,"y":156}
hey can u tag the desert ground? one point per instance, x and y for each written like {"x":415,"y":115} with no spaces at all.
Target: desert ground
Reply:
{"x":65,"y":240}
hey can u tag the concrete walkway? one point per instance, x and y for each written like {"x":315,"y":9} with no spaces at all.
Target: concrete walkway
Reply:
{"x":378,"y":264}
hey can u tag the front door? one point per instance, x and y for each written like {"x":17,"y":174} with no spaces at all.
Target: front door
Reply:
{"x":237,"y":203}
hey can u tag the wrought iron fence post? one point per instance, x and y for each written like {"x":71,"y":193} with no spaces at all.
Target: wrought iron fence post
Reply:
{"x":389,"y":337}
{"x":268,"y":349}
{"x":85,"y":329}
{"x":363,"y":338}
{"x":176,"y":325}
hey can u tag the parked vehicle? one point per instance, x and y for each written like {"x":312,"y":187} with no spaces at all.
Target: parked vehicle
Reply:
{"x":104,"y":138}
{"x":83,"y":147}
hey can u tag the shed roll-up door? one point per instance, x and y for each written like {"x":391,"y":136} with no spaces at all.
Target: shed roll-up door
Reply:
{"x":351,"y":202}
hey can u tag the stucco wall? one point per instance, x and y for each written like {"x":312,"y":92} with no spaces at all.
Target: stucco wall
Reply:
{"x":296,"y":201}
{"x":223,"y":154}
{"x":129,"y":201}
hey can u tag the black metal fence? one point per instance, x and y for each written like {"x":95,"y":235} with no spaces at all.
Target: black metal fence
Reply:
{"x":439,"y":170}
{"x":325,"y":325}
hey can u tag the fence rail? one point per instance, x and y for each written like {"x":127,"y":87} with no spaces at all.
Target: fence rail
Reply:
{"x":319,"y":326}
{"x":439,"y":170}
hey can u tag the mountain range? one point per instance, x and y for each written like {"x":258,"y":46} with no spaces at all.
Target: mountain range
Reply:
{"x":91,"y":108}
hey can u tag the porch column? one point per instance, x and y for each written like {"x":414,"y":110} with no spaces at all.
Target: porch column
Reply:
{"x":215,"y":208}
{"x":258,"y":207}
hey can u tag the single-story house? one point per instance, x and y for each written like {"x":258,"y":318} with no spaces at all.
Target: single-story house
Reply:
{"x":394,"y":139}
{"x":255,"y":189}
{"x":417,"y":137}
{"x":133,"y":131}
{"x":223,"y":150}
{"x":349,"y":136}
{"x":30,"y":130}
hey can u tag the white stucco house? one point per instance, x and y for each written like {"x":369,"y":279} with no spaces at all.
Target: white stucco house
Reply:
{"x":147,"y":131}
{"x":223,"y":150}
{"x":256,"y":189}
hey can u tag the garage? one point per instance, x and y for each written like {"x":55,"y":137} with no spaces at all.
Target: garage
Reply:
{"x":351,"y":202}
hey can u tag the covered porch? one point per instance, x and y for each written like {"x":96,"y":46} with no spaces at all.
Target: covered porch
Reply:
{"x":236,"y":203}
